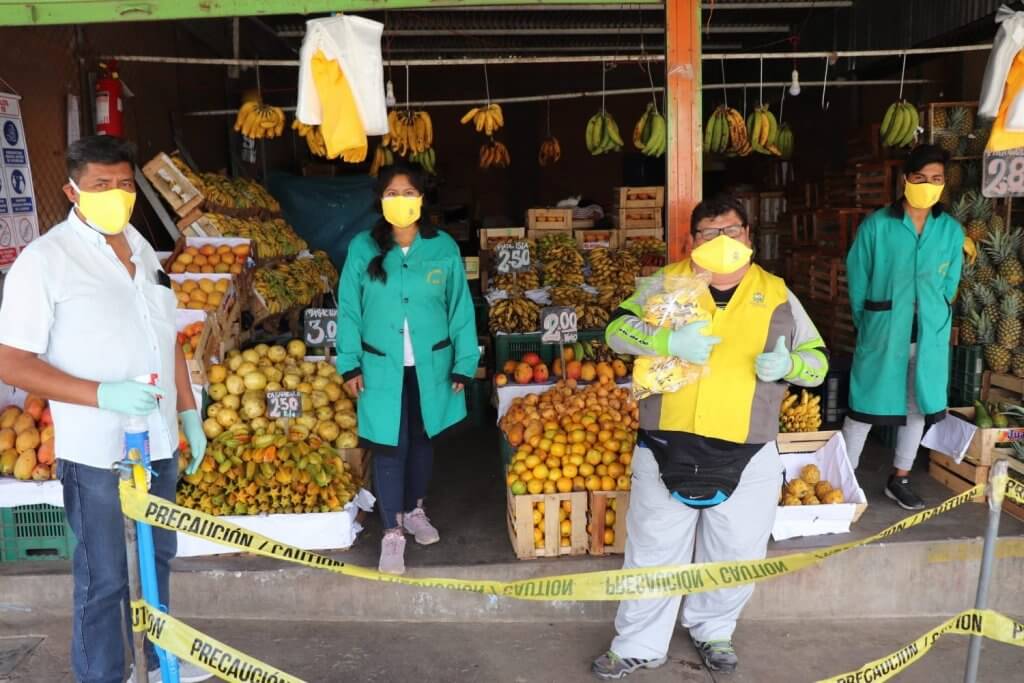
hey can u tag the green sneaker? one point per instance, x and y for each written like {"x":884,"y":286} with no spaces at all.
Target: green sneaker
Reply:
{"x":611,"y":666}
{"x":718,"y":655}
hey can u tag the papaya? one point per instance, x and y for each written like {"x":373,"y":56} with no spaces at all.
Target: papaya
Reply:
{"x":24,"y":465}
{"x":45,"y":453}
{"x":24,"y":423}
{"x":27,"y":440}
{"x":8,"y":457}
{"x":7,"y":438}
{"x":41,"y":473}
{"x":9,"y":415}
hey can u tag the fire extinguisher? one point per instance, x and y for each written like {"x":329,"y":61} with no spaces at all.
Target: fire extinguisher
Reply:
{"x":109,"y":104}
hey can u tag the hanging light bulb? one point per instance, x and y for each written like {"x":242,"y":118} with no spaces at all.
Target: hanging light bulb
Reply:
{"x":794,"y":87}
{"x":390,"y":97}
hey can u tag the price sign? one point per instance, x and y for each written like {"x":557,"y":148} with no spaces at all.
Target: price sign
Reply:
{"x":558,"y":324}
{"x":284,"y":404}
{"x":512,"y":257}
{"x":320,"y":326}
{"x":1003,"y":174}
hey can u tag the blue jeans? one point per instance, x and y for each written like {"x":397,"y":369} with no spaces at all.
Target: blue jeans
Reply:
{"x":401,"y":474}
{"x":102,"y":614}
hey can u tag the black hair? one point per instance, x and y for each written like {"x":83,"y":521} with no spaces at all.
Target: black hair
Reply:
{"x":719,"y":205}
{"x":97,"y":149}
{"x":922,"y":155}
{"x":382,"y":232}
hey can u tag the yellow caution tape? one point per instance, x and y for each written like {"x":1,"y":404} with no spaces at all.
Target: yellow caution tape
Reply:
{"x":622,"y":584}
{"x":1014,"y":490}
{"x":208,"y":653}
{"x":970,"y":622}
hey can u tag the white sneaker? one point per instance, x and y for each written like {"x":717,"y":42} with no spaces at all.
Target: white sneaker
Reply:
{"x":417,"y":524}
{"x":392,"y":553}
{"x":187,"y":673}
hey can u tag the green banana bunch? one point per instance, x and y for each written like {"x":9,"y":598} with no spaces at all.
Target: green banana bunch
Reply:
{"x":603,"y":134}
{"x":899,"y":125}
{"x":785,"y":142}
{"x":717,"y":132}
{"x":764,"y":131}
{"x":427,"y":159}
{"x":650,"y":135}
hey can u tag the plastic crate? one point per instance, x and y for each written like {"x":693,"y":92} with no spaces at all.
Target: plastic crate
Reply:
{"x":967,"y":365}
{"x":34,"y":532}
{"x":514,"y":346}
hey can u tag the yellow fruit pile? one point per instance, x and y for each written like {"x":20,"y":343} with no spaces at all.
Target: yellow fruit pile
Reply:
{"x":200,"y":295}
{"x":294,"y":283}
{"x":800,"y":413}
{"x":230,"y":193}
{"x":26,"y":441}
{"x":571,"y":439}
{"x":255,"y":464}
{"x":563,"y":265}
{"x":211,"y":258}
{"x":810,"y":489}
{"x":273,"y":238}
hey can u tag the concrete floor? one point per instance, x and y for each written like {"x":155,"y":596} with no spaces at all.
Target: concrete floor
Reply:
{"x":770,"y":652}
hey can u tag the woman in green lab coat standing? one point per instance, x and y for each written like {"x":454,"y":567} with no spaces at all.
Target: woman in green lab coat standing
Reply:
{"x":903,"y":270}
{"x":407,"y":346}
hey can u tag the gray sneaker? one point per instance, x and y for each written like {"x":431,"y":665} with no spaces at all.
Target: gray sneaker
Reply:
{"x":392,"y":553}
{"x":611,"y":666}
{"x":718,"y":655}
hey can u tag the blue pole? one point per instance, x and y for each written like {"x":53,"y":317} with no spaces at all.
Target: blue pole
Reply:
{"x":136,"y":445}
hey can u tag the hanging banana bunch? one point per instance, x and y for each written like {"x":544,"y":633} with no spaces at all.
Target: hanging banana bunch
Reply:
{"x":259,"y":121}
{"x":899,"y":125}
{"x":650,"y":134}
{"x":409,"y":132}
{"x":427,"y":159}
{"x":764,"y":131}
{"x":494,"y":154}
{"x":314,"y":138}
{"x":603,"y":134}
{"x":550,"y":151}
{"x":726,"y":133}
{"x":487,"y":119}
{"x":785,"y":142}
{"x":381,"y":158}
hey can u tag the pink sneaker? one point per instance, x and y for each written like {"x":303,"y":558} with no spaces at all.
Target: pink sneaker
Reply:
{"x":392,"y":553}
{"x":417,"y":524}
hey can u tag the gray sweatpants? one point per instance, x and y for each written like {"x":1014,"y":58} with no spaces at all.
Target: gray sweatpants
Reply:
{"x":908,"y":436}
{"x":662,"y":531}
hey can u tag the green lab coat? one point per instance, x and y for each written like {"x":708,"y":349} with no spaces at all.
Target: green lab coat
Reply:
{"x":890,"y":269}
{"x":428,"y":288}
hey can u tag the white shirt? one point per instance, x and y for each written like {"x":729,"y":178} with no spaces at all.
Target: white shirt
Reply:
{"x":410,"y":357}
{"x":69,"y":299}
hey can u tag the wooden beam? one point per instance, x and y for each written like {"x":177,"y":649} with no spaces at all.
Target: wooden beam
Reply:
{"x":682,"y":68}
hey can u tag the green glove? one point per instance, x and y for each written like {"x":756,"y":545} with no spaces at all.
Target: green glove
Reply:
{"x":195,"y":436}
{"x":128,"y":397}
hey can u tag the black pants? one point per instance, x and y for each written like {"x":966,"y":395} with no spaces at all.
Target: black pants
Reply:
{"x":401,"y":474}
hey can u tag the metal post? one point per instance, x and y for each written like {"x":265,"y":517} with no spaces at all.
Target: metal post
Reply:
{"x":134,"y":583}
{"x":988,"y":555}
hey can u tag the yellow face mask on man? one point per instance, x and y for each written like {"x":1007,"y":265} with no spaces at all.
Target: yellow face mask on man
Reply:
{"x":722,"y":255}
{"x":923,"y":195}
{"x":401,"y":212}
{"x":107,"y":212}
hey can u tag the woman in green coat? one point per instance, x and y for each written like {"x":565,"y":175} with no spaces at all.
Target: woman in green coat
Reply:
{"x":903,"y":271}
{"x":407,"y":346}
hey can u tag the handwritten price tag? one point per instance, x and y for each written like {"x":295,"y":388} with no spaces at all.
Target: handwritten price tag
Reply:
{"x":284,"y":404}
{"x":1003,"y":174}
{"x":320,"y":326}
{"x":512,"y":257}
{"x":559,"y":325}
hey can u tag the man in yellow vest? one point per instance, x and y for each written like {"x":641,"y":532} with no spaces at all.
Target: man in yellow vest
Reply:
{"x":706,"y":470}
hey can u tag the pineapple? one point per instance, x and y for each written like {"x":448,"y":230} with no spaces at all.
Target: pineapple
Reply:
{"x":949,"y":137}
{"x":981,"y":214}
{"x":996,"y":221}
{"x":1002,"y":247}
{"x":961,"y":209}
{"x":1009,"y":328}
{"x":997,"y":358}
{"x":961,"y":120}
{"x":1003,"y":290}
{"x":1017,"y":362}
{"x":969,"y":329}
{"x":987,"y":298}
{"x":983,"y":271}
{"x":954,"y":177}
{"x":977,"y":140}
{"x":939,"y":117}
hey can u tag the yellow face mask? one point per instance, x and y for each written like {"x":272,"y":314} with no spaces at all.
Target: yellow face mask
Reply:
{"x":107,"y":212}
{"x":923,"y":195}
{"x":401,"y":212}
{"x":722,"y":255}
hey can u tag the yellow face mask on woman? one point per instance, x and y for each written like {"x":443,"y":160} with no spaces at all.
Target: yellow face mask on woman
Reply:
{"x":722,"y":255}
{"x":401,"y":212}
{"x":923,"y":195}
{"x":107,"y":212}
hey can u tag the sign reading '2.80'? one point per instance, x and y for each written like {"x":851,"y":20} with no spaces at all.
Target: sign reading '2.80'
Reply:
{"x":1003,"y":174}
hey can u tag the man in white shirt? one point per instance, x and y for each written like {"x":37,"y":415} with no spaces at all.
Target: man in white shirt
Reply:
{"x":87,"y":308}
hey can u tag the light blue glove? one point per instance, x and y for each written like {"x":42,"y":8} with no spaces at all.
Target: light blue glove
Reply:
{"x":195,"y":436}
{"x":690,"y":345}
{"x":128,"y":397}
{"x":773,"y":365}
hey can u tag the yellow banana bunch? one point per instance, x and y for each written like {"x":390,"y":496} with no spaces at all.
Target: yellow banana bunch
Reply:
{"x":739,"y":140}
{"x":494,"y":154}
{"x":550,"y":151}
{"x":602,"y":134}
{"x":800,"y":413}
{"x":764,"y":131}
{"x":259,"y":121}
{"x":487,"y":119}
{"x":314,"y":138}
{"x":381,"y":158}
{"x":409,"y":131}
{"x":899,"y":125}
{"x":650,"y":134}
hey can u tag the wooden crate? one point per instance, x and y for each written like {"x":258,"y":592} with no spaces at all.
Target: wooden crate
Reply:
{"x":824,"y":276}
{"x":638,"y":197}
{"x":772,"y":207}
{"x":177,"y":190}
{"x":803,"y":442}
{"x":987,"y":443}
{"x":627,"y":237}
{"x":637,"y":219}
{"x":1012,"y":387}
{"x":471,"y":264}
{"x":798,"y":273}
{"x":489,"y":236}
{"x":520,"y":524}
{"x":842,"y":336}
{"x":208,"y":351}
{"x":599,"y":504}
{"x":596,"y":239}
{"x":549,"y":219}
{"x":875,"y":183}
{"x":957,"y":477}
{"x":929,"y":120}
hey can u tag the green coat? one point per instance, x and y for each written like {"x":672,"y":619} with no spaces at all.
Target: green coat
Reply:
{"x":890,"y":269}
{"x":428,"y":287}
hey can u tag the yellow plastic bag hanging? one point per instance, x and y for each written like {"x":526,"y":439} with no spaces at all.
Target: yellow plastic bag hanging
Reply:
{"x":341,"y":127}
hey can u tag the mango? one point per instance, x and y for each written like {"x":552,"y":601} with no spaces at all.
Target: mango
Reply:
{"x":8,"y":416}
{"x":24,"y":423}
{"x":27,"y":440}
{"x":45,"y":455}
{"x":7,"y":438}
{"x":41,"y":473}
{"x":7,"y":459}
{"x":34,"y":406}
{"x":24,"y":465}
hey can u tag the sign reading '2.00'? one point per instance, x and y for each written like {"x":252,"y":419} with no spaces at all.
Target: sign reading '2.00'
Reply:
{"x":558,"y":324}
{"x":1003,"y":174}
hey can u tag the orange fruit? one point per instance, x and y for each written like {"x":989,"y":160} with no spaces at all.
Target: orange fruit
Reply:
{"x":609,"y":518}
{"x":540,"y":472}
{"x":549,"y":487}
{"x":538,"y":535}
{"x":532,"y":461}
{"x":615,"y":470}
{"x":622,"y":483}
{"x":569,"y":470}
{"x":594,"y":457}
{"x":579,"y":484}
{"x":593,"y":483}
{"x":567,"y":505}
{"x":607,"y":484}
{"x":555,"y":473}
{"x":609,"y":537}
{"x":535,"y":486}
{"x":565,"y":527}
{"x":564,"y":485}
{"x":586,"y":469}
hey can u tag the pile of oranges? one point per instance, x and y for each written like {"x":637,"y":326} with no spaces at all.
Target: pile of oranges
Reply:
{"x":571,"y":438}
{"x":200,"y":295}
{"x":211,"y":258}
